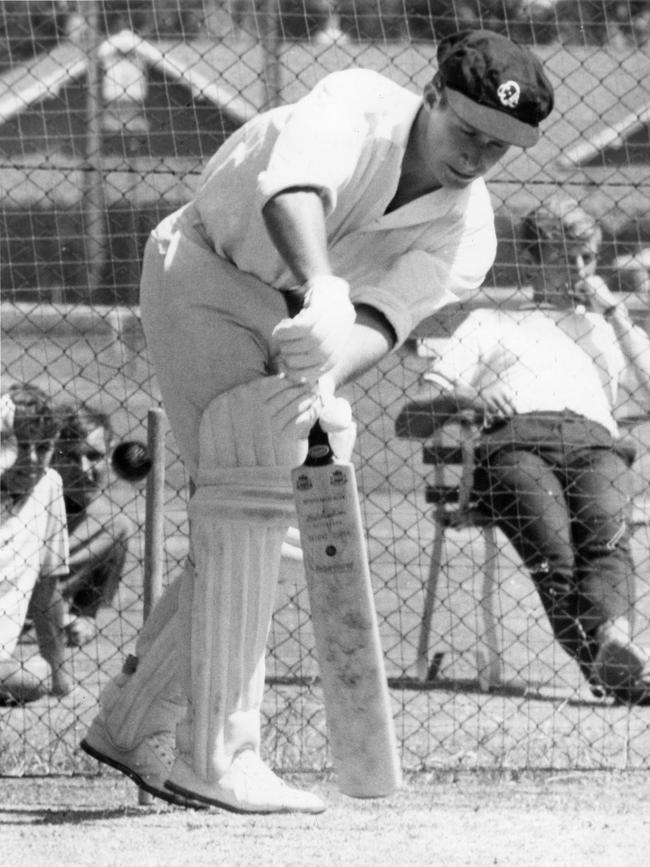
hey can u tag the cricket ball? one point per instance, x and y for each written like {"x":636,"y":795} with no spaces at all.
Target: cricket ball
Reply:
{"x":131,"y":460}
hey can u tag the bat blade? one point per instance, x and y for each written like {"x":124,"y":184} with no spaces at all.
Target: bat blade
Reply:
{"x":357,"y":701}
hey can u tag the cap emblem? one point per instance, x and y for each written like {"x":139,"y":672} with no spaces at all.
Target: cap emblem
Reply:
{"x":509,"y":93}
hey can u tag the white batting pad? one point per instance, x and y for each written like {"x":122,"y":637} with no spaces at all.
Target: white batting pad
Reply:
{"x":237,"y":554}
{"x":239,"y":516}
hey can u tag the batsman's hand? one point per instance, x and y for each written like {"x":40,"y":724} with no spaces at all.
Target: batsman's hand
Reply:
{"x":335,"y":416}
{"x":283,"y":428}
{"x":312,"y":342}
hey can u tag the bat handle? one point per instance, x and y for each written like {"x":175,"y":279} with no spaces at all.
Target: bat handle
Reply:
{"x":319,"y":451}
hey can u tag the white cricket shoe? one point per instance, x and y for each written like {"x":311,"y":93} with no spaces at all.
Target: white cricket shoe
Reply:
{"x":249,"y":786}
{"x":148,"y":764}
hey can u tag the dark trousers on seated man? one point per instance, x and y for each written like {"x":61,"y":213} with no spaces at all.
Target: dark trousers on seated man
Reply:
{"x":557,"y":486}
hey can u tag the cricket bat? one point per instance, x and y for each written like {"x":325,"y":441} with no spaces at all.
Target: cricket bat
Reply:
{"x":355,"y":690}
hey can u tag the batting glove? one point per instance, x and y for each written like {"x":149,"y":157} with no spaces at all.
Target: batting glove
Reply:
{"x":312,"y":342}
{"x":335,"y":416}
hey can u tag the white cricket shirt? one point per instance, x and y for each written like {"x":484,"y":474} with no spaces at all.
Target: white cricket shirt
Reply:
{"x":573,"y":364}
{"x":33,"y":544}
{"x":347,"y":138}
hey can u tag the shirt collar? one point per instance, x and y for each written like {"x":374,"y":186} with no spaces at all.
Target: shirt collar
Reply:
{"x":422,"y":209}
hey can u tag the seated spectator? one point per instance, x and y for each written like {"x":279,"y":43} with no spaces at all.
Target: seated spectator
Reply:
{"x":551,"y":468}
{"x":33,"y":547}
{"x":99,"y":536}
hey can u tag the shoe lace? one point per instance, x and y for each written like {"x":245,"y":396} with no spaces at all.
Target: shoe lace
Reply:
{"x":163,"y":745}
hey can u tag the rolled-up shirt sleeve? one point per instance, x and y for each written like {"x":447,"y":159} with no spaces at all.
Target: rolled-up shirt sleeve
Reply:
{"x":449,"y":267}
{"x":416,"y":287}
{"x":321,"y":143}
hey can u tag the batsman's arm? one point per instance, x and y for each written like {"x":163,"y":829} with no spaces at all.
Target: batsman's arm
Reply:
{"x":295,"y":221}
{"x":331,"y":335}
{"x":372,"y":338}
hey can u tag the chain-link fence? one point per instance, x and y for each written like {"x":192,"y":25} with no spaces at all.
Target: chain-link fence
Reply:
{"x":107,"y":114}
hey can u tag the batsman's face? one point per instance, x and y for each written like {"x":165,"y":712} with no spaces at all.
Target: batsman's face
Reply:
{"x":453,"y":152}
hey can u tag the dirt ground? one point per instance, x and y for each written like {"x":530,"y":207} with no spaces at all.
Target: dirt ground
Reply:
{"x":473,"y":820}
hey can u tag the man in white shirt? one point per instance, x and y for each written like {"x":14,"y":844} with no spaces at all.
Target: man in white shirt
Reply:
{"x":321,"y":234}
{"x":33,"y":547}
{"x":99,"y":535}
{"x":550,"y":466}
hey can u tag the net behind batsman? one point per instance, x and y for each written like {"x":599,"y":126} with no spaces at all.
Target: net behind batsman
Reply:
{"x":321,"y":234}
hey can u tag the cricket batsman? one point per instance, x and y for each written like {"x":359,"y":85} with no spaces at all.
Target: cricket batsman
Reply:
{"x":322,"y":233}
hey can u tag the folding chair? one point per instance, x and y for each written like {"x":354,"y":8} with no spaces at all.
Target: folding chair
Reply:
{"x":450,"y":491}
{"x":450,"y":437}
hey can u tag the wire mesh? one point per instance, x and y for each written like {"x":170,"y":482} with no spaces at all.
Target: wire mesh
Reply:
{"x":108,"y":112}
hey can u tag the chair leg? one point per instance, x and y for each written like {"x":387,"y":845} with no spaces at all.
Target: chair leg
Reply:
{"x":488,"y":653}
{"x":633,"y":581}
{"x":422,"y":660}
